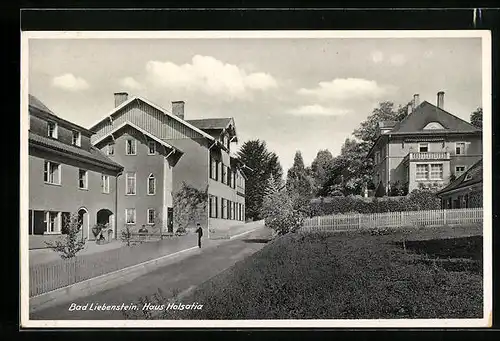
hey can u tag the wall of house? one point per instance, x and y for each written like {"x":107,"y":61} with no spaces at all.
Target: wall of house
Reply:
{"x":474,"y":193}
{"x":67,"y":197}
{"x":143,"y":165}
{"x":414,"y":183}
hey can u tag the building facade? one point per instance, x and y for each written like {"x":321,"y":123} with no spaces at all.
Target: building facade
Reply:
{"x":466,"y":191}
{"x":429,"y":148}
{"x":160,"y":151}
{"x":67,"y":175}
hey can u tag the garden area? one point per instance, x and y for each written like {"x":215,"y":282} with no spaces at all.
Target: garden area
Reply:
{"x":417,"y":273}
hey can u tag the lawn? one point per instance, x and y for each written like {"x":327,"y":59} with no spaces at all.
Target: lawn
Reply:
{"x":435,"y":273}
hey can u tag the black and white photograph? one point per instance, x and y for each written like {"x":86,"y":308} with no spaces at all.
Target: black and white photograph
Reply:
{"x":256,"y":179}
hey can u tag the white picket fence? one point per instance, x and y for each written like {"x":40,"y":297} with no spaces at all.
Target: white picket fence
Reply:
{"x":353,"y":222}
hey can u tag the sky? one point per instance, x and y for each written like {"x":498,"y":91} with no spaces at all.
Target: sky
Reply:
{"x":300,"y":94}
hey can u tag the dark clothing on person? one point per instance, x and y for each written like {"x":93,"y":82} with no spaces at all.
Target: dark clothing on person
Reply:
{"x":199,"y":230}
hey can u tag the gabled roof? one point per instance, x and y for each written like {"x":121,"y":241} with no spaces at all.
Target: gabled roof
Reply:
{"x":36,"y":106}
{"x":472,"y":176}
{"x":93,"y":154}
{"x":211,"y":123}
{"x":426,"y":113}
{"x":157,"y":107}
{"x":142,"y":131}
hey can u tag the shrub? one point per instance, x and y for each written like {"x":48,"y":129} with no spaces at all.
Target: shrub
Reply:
{"x":424,"y":199}
{"x":279,"y":215}
{"x":71,"y":243}
{"x":189,"y":206}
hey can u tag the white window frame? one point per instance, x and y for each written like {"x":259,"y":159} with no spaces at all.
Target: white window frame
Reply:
{"x":126,"y":216}
{"x":47,"y":167}
{"x":110,"y":148}
{"x":426,"y":173}
{"x":105,"y":183}
{"x":151,"y":143}
{"x":86,"y":179}
{"x":149,"y":210}
{"x":133,"y":146}
{"x":213,"y":169}
{"x":420,"y":144}
{"x":55,"y":131}
{"x":430,"y":171}
{"x":78,"y":141}
{"x":461,"y":173}
{"x":151,"y":176}
{"x":126,"y":183}
{"x":463,"y":150}
{"x":57,"y":223}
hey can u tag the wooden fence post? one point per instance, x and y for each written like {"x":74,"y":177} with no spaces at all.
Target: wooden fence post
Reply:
{"x":444,"y":217}
{"x":359,"y":221}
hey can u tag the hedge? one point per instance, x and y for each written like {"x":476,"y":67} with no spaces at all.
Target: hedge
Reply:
{"x":415,"y":201}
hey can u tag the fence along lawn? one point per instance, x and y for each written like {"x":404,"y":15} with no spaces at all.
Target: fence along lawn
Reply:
{"x":352,"y":222}
{"x":57,"y":274}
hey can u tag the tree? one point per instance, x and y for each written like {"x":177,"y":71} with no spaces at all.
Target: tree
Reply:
{"x":263,"y":164}
{"x":274,"y":185}
{"x":190,"y":205}
{"x":71,"y":243}
{"x":299,"y":184}
{"x":320,"y":171}
{"x":476,"y":118}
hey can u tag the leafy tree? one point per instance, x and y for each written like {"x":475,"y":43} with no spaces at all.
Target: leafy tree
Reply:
{"x":299,"y":184}
{"x":320,"y":171}
{"x":274,"y":185}
{"x":278,"y":211}
{"x":264,"y":164}
{"x":476,"y":118}
{"x":71,"y":243}
{"x":190,"y":205}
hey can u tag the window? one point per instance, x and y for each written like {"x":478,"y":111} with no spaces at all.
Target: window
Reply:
{"x":130,"y":215}
{"x":52,"y":129}
{"x":224,"y":173}
{"x":213,"y":169}
{"x":459,"y":170}
{"x":234,"y":179}
{"x":52,"y":222}
{"x":229,"y":177}
{"x":52,"y":173}
{"x":433,"y":125}
{"x":105,"y":183}
{"x":151,"y":216}
{"x":226,"y":141}
{"x":436,"y":171}
{"x":422,"y":172}
{"x":460,"y":148}
{"x":111,"y":148}
{"x":229,"y":204}
{"x":423,"y":147}
{"x":77,"y":138}
{"x":468,"y":177}
{"x":151,"y":184}
{"x":224,"y":209}
{"x":130,"y":183}
{"x":377,"y":158}
{"x":151,"y":148}
{"x":82,"y":179}
{"x":130,"y":147}
{"x":213,"y":206}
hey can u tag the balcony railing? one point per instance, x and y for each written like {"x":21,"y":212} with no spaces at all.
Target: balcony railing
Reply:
{"x":421,"y":156}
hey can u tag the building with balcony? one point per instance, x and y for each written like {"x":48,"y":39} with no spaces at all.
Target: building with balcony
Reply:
{"x":428,"y":148}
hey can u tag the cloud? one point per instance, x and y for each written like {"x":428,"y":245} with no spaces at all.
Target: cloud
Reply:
{"x":377,"y":56}
{"x":347,"y":88}
{"x":398,"y":59}
{"x":209,"y":75}
{"x":70,"y":82}
{"x":317,"y":110}
{"x":428,"y":54}
{"x":130,"y":83}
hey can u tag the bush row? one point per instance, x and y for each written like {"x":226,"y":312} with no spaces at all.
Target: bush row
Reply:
{"x":419,"y":199}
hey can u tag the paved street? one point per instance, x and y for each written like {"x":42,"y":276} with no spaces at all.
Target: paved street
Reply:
{"x":184,"y":274}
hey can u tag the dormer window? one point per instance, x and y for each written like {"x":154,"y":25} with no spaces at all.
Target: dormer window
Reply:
{"x":77,"y":138}
{"x":433,"y":125}
{"x":52,"y":129}
{"x":423,"y":147}
{"x":468,"y":177}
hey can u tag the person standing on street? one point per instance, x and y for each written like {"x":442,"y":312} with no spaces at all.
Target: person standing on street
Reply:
{"x":199,"y":230}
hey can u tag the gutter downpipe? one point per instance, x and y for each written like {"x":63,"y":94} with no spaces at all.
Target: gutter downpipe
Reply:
{"x":165,"y":212}
{"x":116,"y":204}
{"x":208,"y":181}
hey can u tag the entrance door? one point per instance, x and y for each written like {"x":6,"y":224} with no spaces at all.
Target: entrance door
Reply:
{"x":83,"y":218}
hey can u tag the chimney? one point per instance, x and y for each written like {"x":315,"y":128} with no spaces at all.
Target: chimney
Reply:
{"x":178,"y":109}
{"x":416,"y":101}
{"x":440,"y":99}
{"x":120,"y":97}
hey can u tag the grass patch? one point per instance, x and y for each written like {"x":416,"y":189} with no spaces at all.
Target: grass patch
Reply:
{"x":348,"y":276}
